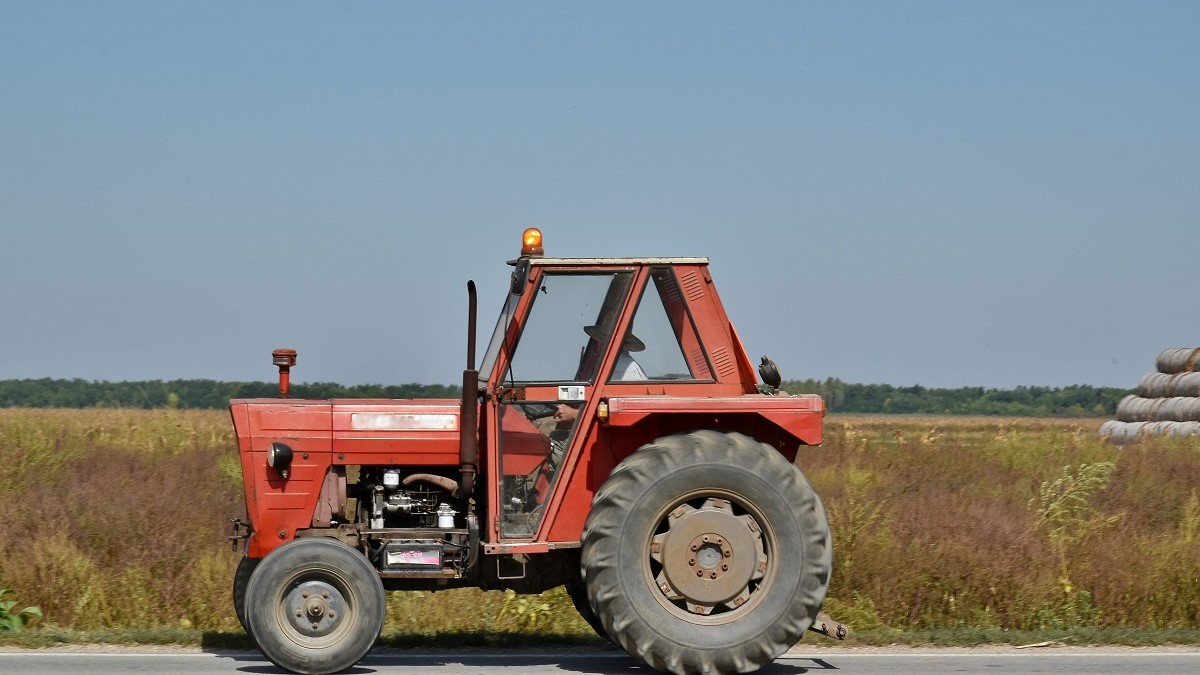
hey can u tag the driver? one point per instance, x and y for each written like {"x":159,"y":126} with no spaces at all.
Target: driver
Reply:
{"x":626,"y":369}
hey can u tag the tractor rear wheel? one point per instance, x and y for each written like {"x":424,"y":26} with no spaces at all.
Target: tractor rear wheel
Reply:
{"x":578,"y":594}
{"x":315,"y":606}
{"x":706,"y":552}
{"x":241,"y":579}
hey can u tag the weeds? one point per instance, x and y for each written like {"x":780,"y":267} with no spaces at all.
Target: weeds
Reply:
{"x":962,"y":538}
{"x":11,"y":618}
{"x":1064,"y":511}
{"x":854,"y":515}
{"x":524,"y":612}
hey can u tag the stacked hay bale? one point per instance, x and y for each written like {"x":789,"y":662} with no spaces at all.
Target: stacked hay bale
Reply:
{"x":1167,"y":402}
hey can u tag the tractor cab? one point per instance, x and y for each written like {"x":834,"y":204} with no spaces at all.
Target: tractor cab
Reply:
{"x":573,"y":334}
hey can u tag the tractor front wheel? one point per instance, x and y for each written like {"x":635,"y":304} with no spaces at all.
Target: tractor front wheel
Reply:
{"x":315,"y":606}
{"x":706,"y":552}
{"x":241,"y":579}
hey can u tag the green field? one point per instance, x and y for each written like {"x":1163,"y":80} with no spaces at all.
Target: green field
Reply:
{"x":115,"y":520}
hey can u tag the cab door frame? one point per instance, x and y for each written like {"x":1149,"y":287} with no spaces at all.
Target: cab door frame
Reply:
{"x":498,"y":394}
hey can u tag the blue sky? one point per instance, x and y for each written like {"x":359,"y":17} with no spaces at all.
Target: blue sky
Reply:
{"x":935,"y":193}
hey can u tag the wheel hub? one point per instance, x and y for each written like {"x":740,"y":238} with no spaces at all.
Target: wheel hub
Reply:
{"x":708,"y":556}
{"x":314,"y":608}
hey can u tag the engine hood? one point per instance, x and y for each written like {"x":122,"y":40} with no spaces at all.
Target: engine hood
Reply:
{"x":355,"y":431}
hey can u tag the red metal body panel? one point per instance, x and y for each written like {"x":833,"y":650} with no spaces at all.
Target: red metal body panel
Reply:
{"x":417,"y":432}
{"x":728,"y":358}
{"x":525,"y":447}
{"x":577,"y":486}
{"x":277,"y":507}
{"x":799,"y":416}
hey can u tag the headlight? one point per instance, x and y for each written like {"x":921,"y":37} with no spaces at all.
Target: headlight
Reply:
{"x":279,"y":457}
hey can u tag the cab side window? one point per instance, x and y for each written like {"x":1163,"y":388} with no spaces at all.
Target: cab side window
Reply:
{"x":663,"y":340}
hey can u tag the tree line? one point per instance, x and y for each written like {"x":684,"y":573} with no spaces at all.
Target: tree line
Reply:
{"x":840,"y":397}
{"x":210,"y":394}
{"x":1078,"y":400}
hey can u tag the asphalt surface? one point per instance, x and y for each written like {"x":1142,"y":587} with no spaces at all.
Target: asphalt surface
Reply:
{"x":858,"y":661}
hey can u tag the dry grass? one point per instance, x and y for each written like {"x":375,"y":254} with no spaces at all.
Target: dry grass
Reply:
{"x":117,"y":519}
{"x":936,"y":526}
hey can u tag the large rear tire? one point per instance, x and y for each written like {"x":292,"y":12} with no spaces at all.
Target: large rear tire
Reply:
{"x":706,"y":552}
{"x":315,"y":606}
{"x":578,"y":594}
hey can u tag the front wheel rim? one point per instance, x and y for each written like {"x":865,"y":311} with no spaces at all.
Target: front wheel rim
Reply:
{"x":315,"y":610}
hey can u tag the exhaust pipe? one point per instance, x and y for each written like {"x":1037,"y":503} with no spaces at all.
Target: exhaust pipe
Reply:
{"x":468,"y":440}
{"x":447,"y":484}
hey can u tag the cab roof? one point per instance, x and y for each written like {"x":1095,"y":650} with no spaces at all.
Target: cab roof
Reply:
{"x":615,"y":262}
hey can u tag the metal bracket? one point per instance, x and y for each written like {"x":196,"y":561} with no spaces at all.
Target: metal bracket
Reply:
{"x":511,"y":394}
{"x":517,"y":558}
{"x":241,"y":531}
{"x":826,"y":626}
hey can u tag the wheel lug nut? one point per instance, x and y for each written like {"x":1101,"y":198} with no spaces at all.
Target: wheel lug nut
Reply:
{"x":304,"y":594}
{"x":713,"y":575}
{"x":706,"y":537}
{"x":699,"y":573}
{"x":315,"y":626}
{"x":332,"y":614}
{"x":695,"y":547}
{"x":325,"y":595}
{"x":691,"y":561}
{"x":299,"y":613}
{"x":724,"y":567}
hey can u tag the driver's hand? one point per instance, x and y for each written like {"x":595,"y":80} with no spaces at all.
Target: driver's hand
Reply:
{"x":565,"y":414}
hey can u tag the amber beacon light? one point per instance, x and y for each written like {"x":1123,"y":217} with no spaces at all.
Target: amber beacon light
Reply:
{"x":531,"y":242}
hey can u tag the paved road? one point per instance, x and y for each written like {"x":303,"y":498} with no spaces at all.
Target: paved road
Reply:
{"x":601,"y":662}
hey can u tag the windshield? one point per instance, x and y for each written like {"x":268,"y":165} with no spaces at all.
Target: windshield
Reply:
{"x":493,"y":350}
{"x":566,"y":330}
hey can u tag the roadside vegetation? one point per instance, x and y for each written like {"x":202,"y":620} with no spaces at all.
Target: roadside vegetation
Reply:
{"x":12,"y":617}
{"x":947,"y":531}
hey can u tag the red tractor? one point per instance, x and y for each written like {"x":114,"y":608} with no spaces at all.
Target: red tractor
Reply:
{"x":613,"y":440}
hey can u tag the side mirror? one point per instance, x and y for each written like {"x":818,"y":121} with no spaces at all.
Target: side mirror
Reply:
{"x":769,"y":372}
{"x":279,"y":457}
